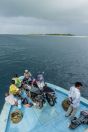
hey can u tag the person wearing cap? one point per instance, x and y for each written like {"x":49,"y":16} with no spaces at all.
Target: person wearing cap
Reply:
{"x":27,"y":78}
{"x":40,"y":80}
{"x":74,"y":97}
{"x":27,"y":74}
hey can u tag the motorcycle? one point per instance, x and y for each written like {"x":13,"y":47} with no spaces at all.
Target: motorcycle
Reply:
{"x":49,"y":95}
{"x":37,"y":97}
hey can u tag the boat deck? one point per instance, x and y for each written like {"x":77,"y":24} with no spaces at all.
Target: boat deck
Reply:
{"x":47,"y":119}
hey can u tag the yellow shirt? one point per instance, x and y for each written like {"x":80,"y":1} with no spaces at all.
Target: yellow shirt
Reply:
{"x":13,"y":89}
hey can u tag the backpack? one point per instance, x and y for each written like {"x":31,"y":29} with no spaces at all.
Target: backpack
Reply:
{"x":82,"y":119}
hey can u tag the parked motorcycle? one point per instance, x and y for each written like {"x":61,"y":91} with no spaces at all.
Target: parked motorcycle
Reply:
{"x":49,"y":95}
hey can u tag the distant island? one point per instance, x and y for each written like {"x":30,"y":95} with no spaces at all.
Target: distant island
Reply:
{"x":67,"y":34}
{"x":55,"y":34}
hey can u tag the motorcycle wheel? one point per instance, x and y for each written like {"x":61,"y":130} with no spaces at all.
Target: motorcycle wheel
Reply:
{"x":40,"y":104}
{"x":51,"y":101}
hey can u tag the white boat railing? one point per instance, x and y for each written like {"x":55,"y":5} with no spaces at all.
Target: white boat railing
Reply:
{"x":4,"y":116}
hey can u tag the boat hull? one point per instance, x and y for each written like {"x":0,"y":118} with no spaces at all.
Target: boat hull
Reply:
{"x":40,"y":120}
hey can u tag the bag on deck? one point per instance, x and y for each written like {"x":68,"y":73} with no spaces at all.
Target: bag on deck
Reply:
{"x":83,"y":119}
{"x":65,"y":104}
{"x":16,"y":116}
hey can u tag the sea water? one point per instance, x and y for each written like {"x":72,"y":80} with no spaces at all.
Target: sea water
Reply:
{"x":64,"y":60}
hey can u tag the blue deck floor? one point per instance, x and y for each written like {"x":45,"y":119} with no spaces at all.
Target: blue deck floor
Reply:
{"x":47,"y":119}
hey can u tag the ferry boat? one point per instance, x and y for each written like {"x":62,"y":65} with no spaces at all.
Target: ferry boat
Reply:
{"x":47,"y":119}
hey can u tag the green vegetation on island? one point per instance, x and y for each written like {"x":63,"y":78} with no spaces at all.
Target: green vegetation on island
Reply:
{"x":67,"y":34}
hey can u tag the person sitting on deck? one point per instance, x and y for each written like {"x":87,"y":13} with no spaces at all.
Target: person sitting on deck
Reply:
{"x":40,"y":80}
{"x":74,"y":97}
{"x":9,"y":98}
{"x":17,"y":80}
{"x":13,"y":88}
{"x":27,"y":74}
{"x":27,"y":77}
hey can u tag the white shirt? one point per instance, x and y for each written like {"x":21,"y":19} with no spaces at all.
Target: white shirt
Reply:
{"x":74,"y":93}
{"x":71,"y":91}
{"x":10,"y":99}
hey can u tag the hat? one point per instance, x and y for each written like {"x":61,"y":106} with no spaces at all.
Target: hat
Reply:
{"x":26,"y":71}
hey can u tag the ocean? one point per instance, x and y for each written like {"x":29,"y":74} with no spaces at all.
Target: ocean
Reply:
{"x":64,"y":60}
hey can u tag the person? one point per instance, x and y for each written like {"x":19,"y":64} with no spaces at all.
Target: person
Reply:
{"x":17,"y":80}
{"x":40,"y":80}
{"x":74,"y":97}
{"x":27,"y":74}
{"x":27,"y":78}
{"x":13,"y":88}
{"x":9,"y":98}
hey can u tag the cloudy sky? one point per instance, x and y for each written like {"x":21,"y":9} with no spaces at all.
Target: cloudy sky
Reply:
{"x":44,"y":16}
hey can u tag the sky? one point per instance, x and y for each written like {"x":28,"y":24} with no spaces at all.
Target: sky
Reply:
{"x":44,"y":16}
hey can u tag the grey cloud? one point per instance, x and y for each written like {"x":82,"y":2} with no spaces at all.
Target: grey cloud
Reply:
{"x":44,"y":16}
{"x":49,"y":9}
{"x":22,"y":25}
